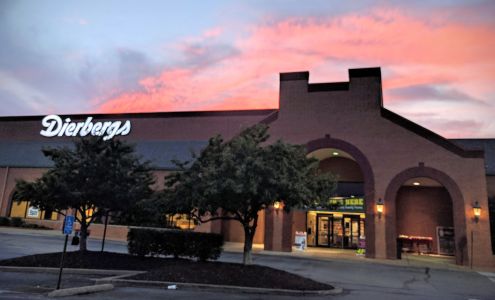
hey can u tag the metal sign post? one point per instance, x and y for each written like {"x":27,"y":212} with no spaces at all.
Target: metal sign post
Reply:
{"x":104,"y":231}
{"x":67,"y":230}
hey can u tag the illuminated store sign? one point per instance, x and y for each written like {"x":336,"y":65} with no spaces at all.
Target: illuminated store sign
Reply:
{"x":347,"y":204}
{"x":55,"y":126}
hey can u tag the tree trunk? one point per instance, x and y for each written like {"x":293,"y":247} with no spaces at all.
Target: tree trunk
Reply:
{"x":83,"y":238}
{"x":249,"y":231}
{"x":248,"y":246}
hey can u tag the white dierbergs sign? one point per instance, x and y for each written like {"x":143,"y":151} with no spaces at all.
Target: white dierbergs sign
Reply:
{"x":33,"y":212}
{"x":55,"y":126}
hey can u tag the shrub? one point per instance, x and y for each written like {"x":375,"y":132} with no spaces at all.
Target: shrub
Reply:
{"x":4,"y":221}
{"x":139,"y":241}
{"x":33,"y":226}
{"x":206,"y":246}
{"x":16,"y":221}
{"x":178,"y":243}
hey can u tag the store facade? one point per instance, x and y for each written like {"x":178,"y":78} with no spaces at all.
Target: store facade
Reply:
{"x":400,"y":186}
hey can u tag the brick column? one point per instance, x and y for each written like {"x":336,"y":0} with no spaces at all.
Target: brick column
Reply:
{"x":278,"y":230}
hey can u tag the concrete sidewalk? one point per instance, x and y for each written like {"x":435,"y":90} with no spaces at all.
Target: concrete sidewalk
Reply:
{"x":333,"y":254}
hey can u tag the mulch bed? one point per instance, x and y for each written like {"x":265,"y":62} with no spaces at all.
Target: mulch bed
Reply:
{"x":174,"y":270}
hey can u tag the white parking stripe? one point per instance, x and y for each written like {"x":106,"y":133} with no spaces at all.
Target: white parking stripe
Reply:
{"x":490,"y":275}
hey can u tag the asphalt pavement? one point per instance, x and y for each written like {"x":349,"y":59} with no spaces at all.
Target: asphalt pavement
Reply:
{"x":360,"y":280}
{"x":16,"y":242}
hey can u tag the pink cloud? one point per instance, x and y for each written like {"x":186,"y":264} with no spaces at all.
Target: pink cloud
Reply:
{"x":411,"y":51}
{"x":214,"y":32}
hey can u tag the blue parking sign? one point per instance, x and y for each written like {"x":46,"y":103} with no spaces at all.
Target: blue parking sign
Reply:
{"x":68,"y":224}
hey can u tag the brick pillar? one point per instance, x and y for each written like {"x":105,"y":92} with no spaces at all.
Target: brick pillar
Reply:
{"x":286,"y":231}
{"x":268,"y":241}
{"x":278,"y":230}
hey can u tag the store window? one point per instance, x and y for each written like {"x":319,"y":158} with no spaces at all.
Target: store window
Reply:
{"x":19,"y":209}
{"x":23,"y":209}
{"x":89,"y":213}
{"x":182,"y":221}
{"x":342,"y":226}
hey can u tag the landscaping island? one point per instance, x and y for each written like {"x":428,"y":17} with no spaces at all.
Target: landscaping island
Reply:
{"x":175,"y":270}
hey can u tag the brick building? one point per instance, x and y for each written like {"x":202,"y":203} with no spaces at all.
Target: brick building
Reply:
{"x":400,"y":186}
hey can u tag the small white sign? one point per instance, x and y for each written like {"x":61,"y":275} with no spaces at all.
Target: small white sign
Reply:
{"x":33,"y":212}
{"x":55,"y":126}
{"x":301,"y":239}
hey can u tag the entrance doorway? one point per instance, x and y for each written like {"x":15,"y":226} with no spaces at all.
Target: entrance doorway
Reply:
{"x":338,"y":231}
{"x":340,"y":222}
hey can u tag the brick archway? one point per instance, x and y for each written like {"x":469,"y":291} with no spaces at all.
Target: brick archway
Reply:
{"x":459,"y":215}
{"x":369,"y":183}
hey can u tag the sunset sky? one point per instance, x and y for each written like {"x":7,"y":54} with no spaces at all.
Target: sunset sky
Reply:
{"x":66,"y":57}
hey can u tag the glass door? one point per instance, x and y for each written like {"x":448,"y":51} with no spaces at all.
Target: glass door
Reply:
{"x":324,"y":230}
{"x":338,"y":233}
{"x":352,"y":230}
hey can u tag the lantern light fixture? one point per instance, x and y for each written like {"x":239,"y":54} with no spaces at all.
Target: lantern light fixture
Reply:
{"x":379,"y":207}
{"x":476,"y":211}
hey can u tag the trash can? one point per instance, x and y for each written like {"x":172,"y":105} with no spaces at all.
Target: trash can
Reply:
{"x":75,"y":240}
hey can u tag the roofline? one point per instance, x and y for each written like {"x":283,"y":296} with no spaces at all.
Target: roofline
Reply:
{"x":353,"y":73}
{"x":270,"y":118}
{"x":430,"y":135}
{"x":153,"y":168}
{"x":331,"y":86}
{"x":328,"y":86}
{"x":472,"y":139}
{"x":366,"y":72}
{"x":174,"y":114}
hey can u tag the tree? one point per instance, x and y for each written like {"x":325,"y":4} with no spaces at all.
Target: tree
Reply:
{"x":93,"y":178}
{"x":236,"y":179}
{"x":147,"y":212}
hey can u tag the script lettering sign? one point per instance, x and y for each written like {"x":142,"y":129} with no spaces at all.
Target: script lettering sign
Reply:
{"x":55,"y":126}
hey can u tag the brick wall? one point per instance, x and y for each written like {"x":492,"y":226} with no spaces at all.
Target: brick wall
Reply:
{"x":346,"y":169}
{"x":298,"y":222}
{"x":421,"y":209}
{"x":232,"y":231}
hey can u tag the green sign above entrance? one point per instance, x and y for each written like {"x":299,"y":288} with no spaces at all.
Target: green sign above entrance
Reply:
{"x":347,"y":204}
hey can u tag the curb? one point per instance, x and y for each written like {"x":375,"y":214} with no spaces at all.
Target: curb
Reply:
{"x":81,"y":290}
{"x":220,"y":288}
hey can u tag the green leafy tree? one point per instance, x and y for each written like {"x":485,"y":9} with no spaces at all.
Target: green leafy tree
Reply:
{"x":236,"y":179}
{"x":147,"y":212}
{"x":95,"y":176}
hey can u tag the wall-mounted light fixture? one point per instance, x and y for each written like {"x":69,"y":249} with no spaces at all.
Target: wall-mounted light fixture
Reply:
{"x":379,"y":207}
{"x":476,"y":211}
{"x":278,"y":205}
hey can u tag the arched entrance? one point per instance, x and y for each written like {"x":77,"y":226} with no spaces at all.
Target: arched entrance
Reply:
{"x":435,"y":201}
{"x":338,"y":154}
